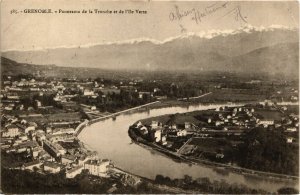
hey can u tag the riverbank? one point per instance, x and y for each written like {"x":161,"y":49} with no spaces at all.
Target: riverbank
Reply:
{"x":184,"y":102}
{"x":188,"y":185}
{"x":154,"y":185}
{"x":85,"y":123}
{"x":148,"y":106}
{"x":181,"y":158}
{"x":116,"y":131}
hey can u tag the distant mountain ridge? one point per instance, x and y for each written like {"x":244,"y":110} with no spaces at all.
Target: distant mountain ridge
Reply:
{"x":202,"y":34}
{"x":246,"y":49}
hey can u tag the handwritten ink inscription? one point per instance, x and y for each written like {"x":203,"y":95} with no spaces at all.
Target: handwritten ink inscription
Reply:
{"x":198,"y":15}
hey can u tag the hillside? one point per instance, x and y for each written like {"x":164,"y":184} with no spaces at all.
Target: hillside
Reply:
{"x":281,"y":58}
{"x":272,"y":50}
{"x":13,"y":68}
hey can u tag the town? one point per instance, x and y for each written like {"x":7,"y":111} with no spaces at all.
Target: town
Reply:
{"x":41,"y":118}
{"x":149,"y":97}
{"x":218,"y":135}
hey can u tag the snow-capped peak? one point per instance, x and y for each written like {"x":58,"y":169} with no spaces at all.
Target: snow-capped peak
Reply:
{"x":248,"y":28}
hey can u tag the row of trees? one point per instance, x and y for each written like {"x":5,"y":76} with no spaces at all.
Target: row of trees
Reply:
{"x":204,"y":185}
{"x":113,"y":102}
{"x":172,"y":90}
{"x":17,"y":181}
{"x":30,"y":100}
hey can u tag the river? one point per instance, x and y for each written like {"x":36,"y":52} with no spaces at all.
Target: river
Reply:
{"x":110,"y":139}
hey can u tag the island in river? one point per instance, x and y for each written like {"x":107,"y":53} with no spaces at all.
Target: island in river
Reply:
{"x":260,"y":139}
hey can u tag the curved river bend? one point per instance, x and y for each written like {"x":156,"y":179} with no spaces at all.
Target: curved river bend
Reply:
{"x":110,"y":139}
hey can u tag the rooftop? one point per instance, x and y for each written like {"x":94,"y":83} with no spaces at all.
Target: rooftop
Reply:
{"x":96,"y":162}
{"x":51,"y":164}
{"x":74,"y":169}
{"x":10,"y":126}
{"x":32,"y":163}
{"x":69,"y":157}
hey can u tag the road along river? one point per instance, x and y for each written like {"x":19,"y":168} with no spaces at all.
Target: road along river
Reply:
{"x":110,"y":139}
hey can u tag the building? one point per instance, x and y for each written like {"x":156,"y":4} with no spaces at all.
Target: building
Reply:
{"x":22,"y":146}
{"x":268,"y":103}
{"x":291,"y":129}
{"x":67,"y":159}
{"x":182,"y":133}
{"x":51,"y":167}
{"x":164,"y":140}
{"x":173,"y":126}
{"x":35,"y":152}
{"x":55,"y":150}
{"x":157,"y":135}
{"x":88,"y":92}
{"x":218,"y":123}
{"x":143,"y":130}
{"x":187,"y":125}
{"x":92,"y":155}
{"x":30,"y":166}
{"x":23,"y":137}
{"x":30,"y":126}
{"x":289,"y":140}
{"x":154,"y":124}
{"x":60,"y":137}
{"x":38,"y":103}
{"x":266,"y":123}
{"x":83,"y":159}
{"x":40,"y":136}
{"x":139,"y":124}
{"x":97,"y":167}
{"x":219,"y":155}
{"x":59,"y":131}
{"x":27,"y":127}
{"x":74,"y":171}
{"x":209,"y":120}
{"x":11,"y":131}
{"x":145,"y":95}
{"x":48,"y":129}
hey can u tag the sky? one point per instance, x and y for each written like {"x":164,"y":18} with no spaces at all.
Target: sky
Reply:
{"x":31,"y":31}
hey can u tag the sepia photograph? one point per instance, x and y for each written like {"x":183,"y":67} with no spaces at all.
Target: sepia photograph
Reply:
{"x":149,"y":97}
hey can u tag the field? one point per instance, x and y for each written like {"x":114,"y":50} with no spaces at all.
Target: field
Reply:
{"x":164,"y":119}
{"x":208,"y":144}
{"x":198,"y":146}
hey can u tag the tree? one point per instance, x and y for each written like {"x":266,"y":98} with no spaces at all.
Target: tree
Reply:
{"x":268,"y":151}
{"x":288,"y":191}
{"x":35,"y":169}
{"x":187,"y":179}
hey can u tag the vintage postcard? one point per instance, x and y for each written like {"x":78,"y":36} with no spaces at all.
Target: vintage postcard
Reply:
{"x":149,"y":97}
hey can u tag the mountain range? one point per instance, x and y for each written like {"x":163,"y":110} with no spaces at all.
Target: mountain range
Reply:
{"x":248,"y":49}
